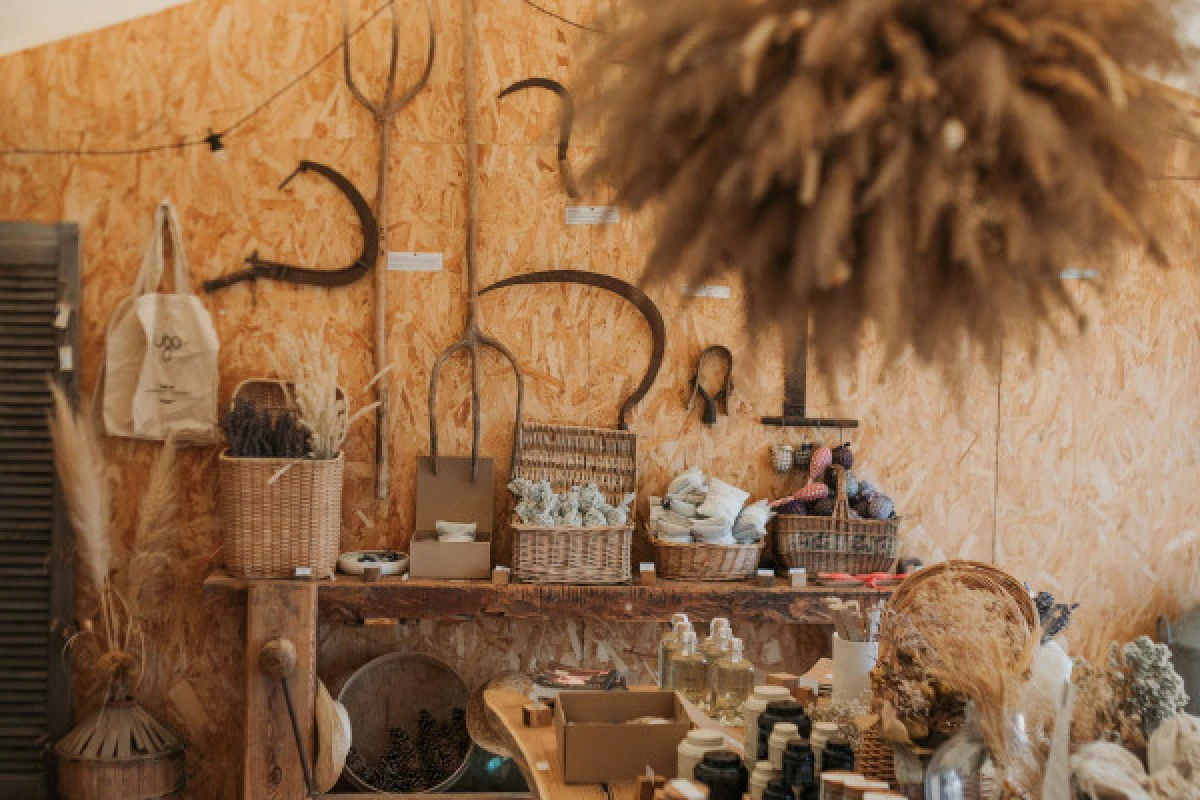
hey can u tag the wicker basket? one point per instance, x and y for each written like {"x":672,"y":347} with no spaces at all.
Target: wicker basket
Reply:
{"x":279,"y":514}
{"x":875,"y":759}
{"x":836,"y":543}
{"x":1021,"y":613}
{"x":705,"y":562}
{"x":566,"y":457}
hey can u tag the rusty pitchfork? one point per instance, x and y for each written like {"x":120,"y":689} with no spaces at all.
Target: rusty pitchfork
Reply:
{"x":384,"y":113}
{"x":474,"y":338}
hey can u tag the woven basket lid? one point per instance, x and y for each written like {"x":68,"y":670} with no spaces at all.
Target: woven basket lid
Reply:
{"x":483,"y":728}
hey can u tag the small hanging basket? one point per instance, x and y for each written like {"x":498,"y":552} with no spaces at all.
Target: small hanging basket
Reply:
{"x":837,"y":543}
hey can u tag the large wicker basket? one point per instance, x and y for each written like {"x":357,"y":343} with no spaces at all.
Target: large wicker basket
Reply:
{"x":836,"y":543}
{"x":705,"y":562}
{"x":279,"y":514}
{"x":566,"y":457}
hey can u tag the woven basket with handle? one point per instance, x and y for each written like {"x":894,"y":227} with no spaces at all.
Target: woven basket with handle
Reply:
{"x":279,"y":514}
{"x":1018,"y":610}
{"x":566,"y":457}
{"x":705,"y":562}
{"x":837,"y":543}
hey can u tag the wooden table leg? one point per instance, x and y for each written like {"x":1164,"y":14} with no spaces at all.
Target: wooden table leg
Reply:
{"x":272,"y":767}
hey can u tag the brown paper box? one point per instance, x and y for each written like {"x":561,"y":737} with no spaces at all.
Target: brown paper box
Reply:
{"x":597,"y":744}
{"x":429,"y":558}
{"x":454,"y":496}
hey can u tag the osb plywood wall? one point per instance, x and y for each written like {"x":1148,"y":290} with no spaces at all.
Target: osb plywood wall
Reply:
{"x":1079,"y":472}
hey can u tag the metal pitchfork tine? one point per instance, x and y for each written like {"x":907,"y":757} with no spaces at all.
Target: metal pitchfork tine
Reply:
{"x":474,"y":338}
{"x":384,"y":113}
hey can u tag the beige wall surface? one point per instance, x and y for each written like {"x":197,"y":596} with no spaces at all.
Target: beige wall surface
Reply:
{"x":1078,"y":472}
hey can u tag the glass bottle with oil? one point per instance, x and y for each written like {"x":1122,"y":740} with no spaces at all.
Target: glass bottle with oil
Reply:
{"x":669,"y":641}
{"x":687,"y":670}
{"x":672,"y":650}
{"x":734,"y":683}
{"x":715,"y":647}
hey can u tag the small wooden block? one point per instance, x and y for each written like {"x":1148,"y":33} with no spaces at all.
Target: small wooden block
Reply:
{"x":765,"y":578}
{"x":647,"y":785}
{"x":500,"y":575}
{"x":784,"y":679}
{"x":798,"y":578}
{"x":803,"y":695}
{"x":647,"y":575}
{"x":536,"y":715}
{"x":372,"y":573}
{"x":679,"y":789}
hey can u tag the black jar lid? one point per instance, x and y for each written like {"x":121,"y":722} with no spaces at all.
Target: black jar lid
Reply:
{"x":776,"y":790}
{"x":785,"y":708}
{"x":722,"y":759}
{"x":797,"y":747}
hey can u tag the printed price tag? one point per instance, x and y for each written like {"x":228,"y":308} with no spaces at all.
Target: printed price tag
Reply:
{"x":62,"y":317}
{"x":593,"y":215}
{"x":303,"y":572}
{"x":66,"y":358}
{"x":414,"y":262}
{"x":646,"y":566}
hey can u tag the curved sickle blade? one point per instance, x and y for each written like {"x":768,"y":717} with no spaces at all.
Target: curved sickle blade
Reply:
{"x":633,"y":294}
{"x":566,"y":120}
{"x":277,"y":271}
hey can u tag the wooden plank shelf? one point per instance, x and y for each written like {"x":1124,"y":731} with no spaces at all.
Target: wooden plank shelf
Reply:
{"x":353,"y":601}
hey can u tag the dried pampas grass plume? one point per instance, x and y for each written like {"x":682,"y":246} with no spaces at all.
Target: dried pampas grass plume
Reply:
{"x":925,"y":166}
{"x":82,"y":472}
{"x":153,"y":569}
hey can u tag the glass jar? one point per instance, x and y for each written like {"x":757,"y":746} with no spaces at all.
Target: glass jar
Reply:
{"x":956,"y":770}
{"x":837,"y":756}
{"x":693,"y":747}
{"x":784,"y":733}
{"x":724,"y":774}
{"x":822,"y":732}
{"x":763,"y":774}
{"x":755,"y":706}
{"x":799,"y":770}
{"x":776,"y":790}
{"x":776,"y":712}
{"x":666,"y":643}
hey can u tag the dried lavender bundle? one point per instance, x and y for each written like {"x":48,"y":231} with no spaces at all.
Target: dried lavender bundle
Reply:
{"x":925,"y":167}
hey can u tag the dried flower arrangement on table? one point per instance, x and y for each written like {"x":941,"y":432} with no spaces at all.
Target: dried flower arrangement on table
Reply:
{"x":281,"y":476}
{"x":923,"y":166}
{"x":961,"y":636}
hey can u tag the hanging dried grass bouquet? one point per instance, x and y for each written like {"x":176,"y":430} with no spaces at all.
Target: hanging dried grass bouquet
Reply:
{"x":925,"y":165}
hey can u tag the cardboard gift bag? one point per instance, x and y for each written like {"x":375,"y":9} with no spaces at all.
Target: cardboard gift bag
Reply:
{"x":160,"y":360}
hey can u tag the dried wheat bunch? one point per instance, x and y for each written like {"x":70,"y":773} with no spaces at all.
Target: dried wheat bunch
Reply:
{"x":927,"y":166}
{"x":313,"y":370}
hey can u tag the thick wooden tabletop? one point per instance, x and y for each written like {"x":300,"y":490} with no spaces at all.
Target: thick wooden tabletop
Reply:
{"x":349,"y":599}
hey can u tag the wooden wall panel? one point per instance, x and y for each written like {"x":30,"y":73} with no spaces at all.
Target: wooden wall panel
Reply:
{"x":1097,"y":452}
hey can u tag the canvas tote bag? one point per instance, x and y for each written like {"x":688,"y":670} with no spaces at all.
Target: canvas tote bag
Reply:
{"x":160,"y":359}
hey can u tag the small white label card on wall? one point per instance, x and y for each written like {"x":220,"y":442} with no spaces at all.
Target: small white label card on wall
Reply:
{"x":414,"y":262}
{"x":593,"y":215}
{"x":713,"y":290}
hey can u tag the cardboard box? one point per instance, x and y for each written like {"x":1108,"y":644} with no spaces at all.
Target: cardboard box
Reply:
{"x":455,"y":496}
{"x":429,"y":558}
{"x":598,"y":744}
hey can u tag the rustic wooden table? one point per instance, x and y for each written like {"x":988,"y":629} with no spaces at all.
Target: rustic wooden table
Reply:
{"x":291,"y":609}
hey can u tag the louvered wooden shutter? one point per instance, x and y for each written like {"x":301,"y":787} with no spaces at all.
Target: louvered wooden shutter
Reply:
{"x":39,"y":278}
